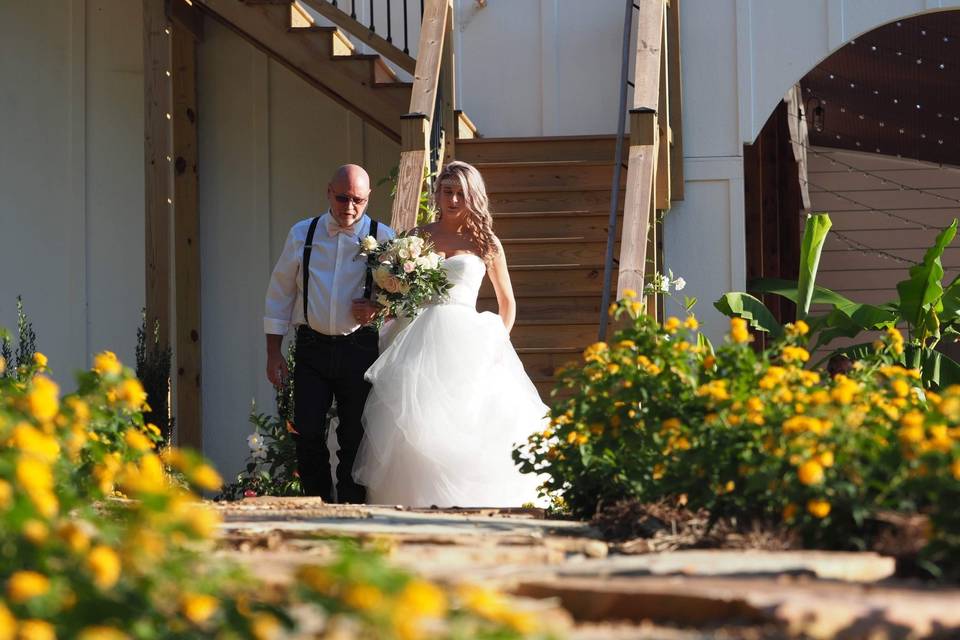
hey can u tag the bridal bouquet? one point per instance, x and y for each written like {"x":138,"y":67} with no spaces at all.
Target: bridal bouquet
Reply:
{"x":407,"y":272}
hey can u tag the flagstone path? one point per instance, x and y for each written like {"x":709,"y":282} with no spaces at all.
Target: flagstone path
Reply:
{"x":563,"y":570}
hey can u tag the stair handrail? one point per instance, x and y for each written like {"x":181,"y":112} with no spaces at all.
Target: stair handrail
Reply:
{"x":367,"y":34}
{"x":639,"y":204}
{"x":434,"y":66}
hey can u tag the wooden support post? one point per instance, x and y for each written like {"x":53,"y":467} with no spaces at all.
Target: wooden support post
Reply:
{"x":186,"y":238}
{"x":663,"y":121}
{"x":415,"y":134}
{"x":448,"y":81}
{"x":675,"y":100}
{"x":158,"y":183}
{"x":640,"y":196}
{"x":415,"y":125}
{"x":638,"y":205}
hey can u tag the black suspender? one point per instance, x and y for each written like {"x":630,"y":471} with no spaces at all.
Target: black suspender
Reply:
{"x":368,"y":284}
{"x":307,"y":249}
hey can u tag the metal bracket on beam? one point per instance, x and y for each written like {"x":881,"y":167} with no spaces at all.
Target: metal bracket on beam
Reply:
{"x":414,"y":132}
{"x":643,"y":126}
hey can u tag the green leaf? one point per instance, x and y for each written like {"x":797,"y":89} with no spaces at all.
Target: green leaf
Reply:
{"x":788,"y":289}
{"x":814,"y":235}
{"x":920,"y":294}
{"x":936,"y":369}
{"x":744,"y":305}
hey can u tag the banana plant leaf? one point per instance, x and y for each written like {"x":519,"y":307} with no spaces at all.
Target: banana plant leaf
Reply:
{"x":814,"y":235}
{"x":921,"y":293}
{"x":937,"y":370}
{"x":751,"y":309}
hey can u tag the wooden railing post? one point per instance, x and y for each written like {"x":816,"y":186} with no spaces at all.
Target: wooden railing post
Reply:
{"x":448,"y":80}
{"x":640,"y":198}
{"x":415,"y":126}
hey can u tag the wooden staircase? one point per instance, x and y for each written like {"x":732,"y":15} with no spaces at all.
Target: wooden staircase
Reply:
{"x":550,"y":199}
{"x":323,"y":56}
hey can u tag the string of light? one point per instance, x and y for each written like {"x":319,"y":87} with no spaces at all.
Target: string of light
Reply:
{"x":884,"y":180}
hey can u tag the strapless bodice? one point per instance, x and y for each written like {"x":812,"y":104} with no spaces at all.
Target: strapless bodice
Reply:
{"x":465,"y":272}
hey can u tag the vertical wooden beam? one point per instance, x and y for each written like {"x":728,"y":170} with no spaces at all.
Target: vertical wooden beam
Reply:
{"x":415,"y":125}
{"x":640,"y":197}
{"x":186,"y":237}
{"x":675,"y":100}
{"x":663,"y":195}
{"x":158,"y":185}
{"x":448,"y":81}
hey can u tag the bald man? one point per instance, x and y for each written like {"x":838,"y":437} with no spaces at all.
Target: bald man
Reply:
{"x":320,"y":287}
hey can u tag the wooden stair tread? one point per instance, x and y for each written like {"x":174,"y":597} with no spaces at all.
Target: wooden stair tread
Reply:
{"x":520,"y":164}
{"x":611,"y":137}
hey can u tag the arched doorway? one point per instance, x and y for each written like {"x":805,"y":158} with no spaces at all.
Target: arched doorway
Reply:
{"x":871,"y":135}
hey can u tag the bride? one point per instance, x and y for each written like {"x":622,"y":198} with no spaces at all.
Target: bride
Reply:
{"x":450,"y":397}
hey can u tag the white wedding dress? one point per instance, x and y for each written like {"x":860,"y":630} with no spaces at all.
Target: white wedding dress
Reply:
{"x":450,"y":399}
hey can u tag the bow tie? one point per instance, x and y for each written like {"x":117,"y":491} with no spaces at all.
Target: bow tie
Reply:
{"x":333,"y":228}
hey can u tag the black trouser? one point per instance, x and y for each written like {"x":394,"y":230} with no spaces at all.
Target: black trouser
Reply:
{"x":331,"y":367}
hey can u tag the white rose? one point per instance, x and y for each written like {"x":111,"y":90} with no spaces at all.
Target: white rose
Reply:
{"x":255,"y":441}
{"x":403,"y":254}
{"x":679,"y":284}
{"x":369,"y":244}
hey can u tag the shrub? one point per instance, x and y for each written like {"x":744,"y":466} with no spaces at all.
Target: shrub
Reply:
{"x":97,"y":541}
{"x":656,"y":414}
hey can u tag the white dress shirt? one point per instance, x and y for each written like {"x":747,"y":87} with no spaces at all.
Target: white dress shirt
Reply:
{"x":337,"y":276}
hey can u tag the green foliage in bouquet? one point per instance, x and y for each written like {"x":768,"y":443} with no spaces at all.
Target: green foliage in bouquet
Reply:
{"x":407,"y":273}
{"x":98,"y":543}
{"x":655,"y":415}
{"x":271,"y":467}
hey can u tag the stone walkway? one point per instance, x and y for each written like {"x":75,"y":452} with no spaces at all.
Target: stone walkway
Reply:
{"x":564,"y":570}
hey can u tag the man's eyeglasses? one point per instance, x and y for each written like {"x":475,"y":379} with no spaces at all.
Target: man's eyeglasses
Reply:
{"x":345,"y":199}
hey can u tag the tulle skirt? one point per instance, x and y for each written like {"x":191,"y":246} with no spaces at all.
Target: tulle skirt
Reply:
{"x":450,"y":399}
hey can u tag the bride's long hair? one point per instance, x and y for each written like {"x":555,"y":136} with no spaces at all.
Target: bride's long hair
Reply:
{"x":479,"y":222}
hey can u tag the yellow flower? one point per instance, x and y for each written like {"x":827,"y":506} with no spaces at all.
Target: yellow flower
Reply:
{"x":636,"y":308}
{"x":106,"y":364}
{"x":671,"y":324}
{"x":911,"y":428}
{"x":8,"y":624}
{"x":104,"y":564}
{"x":198,"y":607}
{"x":206,"y":477}
{"x":36,"y":478}
{"x":794,"y":354}
{"x":136,"y":440}
{"x":31,"y":440}
{"x":612,"y":309}
{"x":818,"y":508}
{"x":75,"y":536}
{"x":955,"y":468}
{"x":102,"y":633}
{"x":613,"y":368}
{"x":900,"y":387}
{"x":629,"y":293}
{"x":798,"y":328}
{"x":826,"y":459}
{"x":810,"y":473}
{"x":36,"y":630}
{"x":790,"y":512}
{"x":595,"y":352}
{"x":131,"y":393}
{"x":202,"y":521}
{"x":40,"y":360}
{"x":25,"y":585}
{"x":670,"y":424}
{"x":43,"y":398}
{"x":35,"y":531}
{"x":365,"y":597}
{"x":315,"y":577}
{"x":482,"y":601}
{"x":3,"y":365}
{"x":264,"y":626}
{"x":738,"y":330}
{"x":691,"y":323}
{"x":423,"y":599}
